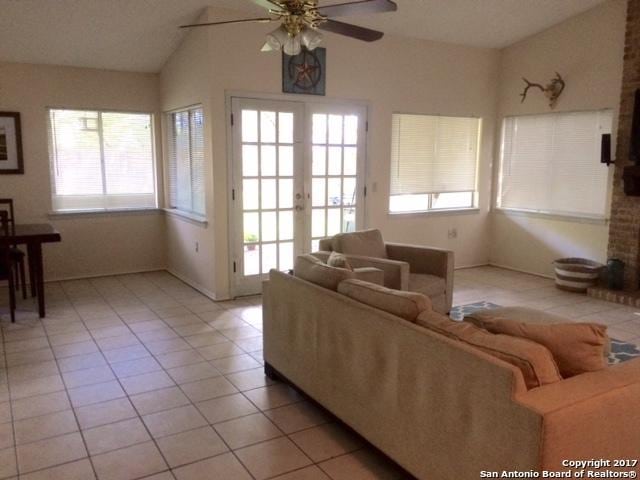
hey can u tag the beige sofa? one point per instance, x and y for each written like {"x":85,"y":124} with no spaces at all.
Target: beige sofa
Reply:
{"x":406,"y":267}
{"x":443,"y":410}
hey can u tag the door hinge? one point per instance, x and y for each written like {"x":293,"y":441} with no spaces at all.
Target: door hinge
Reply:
{"x":232,"y":120}
{"x":365,"y":190}
{"x":366,"y":126}
{"x":233,"y":194}
{"x":234,"y":267}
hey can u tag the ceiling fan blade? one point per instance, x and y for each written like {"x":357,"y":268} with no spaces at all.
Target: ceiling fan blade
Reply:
{"x":354,"y":31}
{"x":359,"y":7}
{"x":269,"y":4}
{"x":248,"y":20}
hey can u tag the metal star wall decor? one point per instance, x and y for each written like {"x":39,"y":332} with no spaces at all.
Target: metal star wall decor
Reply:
{"x":304,"y":73}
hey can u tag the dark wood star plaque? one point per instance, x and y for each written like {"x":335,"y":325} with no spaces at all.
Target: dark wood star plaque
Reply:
{"x":305,"y":73}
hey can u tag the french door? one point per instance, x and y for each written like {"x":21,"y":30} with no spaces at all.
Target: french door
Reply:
{"x":298,"y":176}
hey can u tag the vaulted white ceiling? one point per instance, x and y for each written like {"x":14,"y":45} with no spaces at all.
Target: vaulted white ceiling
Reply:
{"x":139,"y":35}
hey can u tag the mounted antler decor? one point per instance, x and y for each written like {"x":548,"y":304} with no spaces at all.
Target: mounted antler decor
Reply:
{"x":552,"y":90}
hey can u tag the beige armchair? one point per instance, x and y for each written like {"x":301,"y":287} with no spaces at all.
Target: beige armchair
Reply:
{"x":406,"y":267}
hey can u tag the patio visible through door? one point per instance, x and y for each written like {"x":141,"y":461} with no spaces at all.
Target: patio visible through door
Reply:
{"x":297,"y":176}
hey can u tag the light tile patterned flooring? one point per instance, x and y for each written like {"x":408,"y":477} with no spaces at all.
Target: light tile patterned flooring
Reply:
{"x":509,"y":288}
{"x":140,"y":376}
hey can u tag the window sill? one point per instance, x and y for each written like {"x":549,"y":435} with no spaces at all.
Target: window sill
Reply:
{"x":440,"y":212}
{"x":552,"y":216}
{"x":100,"y":213}
{"x":190,"y":217}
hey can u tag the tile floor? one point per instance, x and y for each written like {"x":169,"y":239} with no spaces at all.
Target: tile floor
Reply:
{"x":139,"y":376}
{"x":507,"y":288}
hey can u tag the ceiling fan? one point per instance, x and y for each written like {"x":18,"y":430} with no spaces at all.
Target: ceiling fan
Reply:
{"x":300,"y":21}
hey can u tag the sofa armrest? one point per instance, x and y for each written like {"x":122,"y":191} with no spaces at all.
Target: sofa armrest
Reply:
{"x":369,"y":274}
{"x":323,"y":256}
{"x":396,"y":274}
{"x":366,"y":273}
{"x":593,"y":415}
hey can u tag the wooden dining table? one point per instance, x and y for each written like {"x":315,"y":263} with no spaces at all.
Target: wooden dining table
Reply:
{"x":33,"y":235}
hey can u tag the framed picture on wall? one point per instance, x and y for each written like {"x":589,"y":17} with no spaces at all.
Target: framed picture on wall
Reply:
{"x":305,"y":73}
{"x":11,"y":161}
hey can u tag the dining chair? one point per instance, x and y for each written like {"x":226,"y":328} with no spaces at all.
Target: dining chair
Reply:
{"x":16,"y":255}
{"x":6,"y":263}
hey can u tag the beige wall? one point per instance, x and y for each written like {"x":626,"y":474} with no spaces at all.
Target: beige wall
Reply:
{"x":93,"y":244}
{"x":185,"y":81}
{"x":587,"y":50}
{"x":410,"y":76}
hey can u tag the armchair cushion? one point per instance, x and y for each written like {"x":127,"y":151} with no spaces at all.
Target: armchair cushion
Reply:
{"x":311,"y":269}
{"x":366,"y":243}
{"x":429,"y":285}
{"x":407,"y":305}
{"x":339,"y":260}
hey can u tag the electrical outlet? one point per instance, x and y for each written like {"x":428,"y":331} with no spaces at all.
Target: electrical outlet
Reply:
{"x":452,"y":233}
{"x":197,"y":247}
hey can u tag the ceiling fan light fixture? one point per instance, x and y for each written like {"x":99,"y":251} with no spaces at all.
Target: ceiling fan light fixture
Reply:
{"x":301,"y":20}
{"x":292,"y":46}
{"x":276,"y":39}
{"x":311,"y":38}
{"x":267,"y":47}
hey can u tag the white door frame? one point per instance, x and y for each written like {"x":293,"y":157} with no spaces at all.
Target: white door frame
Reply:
{"x":306,"y":100}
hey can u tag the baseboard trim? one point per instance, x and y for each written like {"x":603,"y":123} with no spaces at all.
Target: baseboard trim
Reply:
{"x":476,"y":265}
{"x":513,"y":269}
{"x":192,"y":284}
{"x":100,"y":275}
{"x":180,"y":277}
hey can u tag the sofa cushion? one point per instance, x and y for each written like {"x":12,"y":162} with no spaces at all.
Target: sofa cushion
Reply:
{"x":407,"y":305}
{"x":309,"y":268}
{"x":366,"y":243}
{"x":535,"y":361}
{"x":429,"y":285}
{"x":439,"y":304}
{"x":576,"y":347}
{"x":338,"y":260}
{"x":524,"y":315}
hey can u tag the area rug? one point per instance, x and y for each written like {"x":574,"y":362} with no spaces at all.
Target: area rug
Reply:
{"x":620,"y":351}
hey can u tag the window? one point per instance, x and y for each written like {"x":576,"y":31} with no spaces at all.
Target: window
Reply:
{"x":551,"y":163}
{"x":433,"y":163}
{"x":186,"y":161}
{"x":101,"y":160}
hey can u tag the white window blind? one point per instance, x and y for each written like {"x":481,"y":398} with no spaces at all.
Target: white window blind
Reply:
{"x":433,"y":154}
{"x":551,"y":163}
{"x":186,"y":161}
{"x":101,"y":160}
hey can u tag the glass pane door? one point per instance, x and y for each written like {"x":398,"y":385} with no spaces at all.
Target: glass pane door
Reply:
{"x":337,"y":162}
{"x":297,"y":176}
{"x":267,"y":177}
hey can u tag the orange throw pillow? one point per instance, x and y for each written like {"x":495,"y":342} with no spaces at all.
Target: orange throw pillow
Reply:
{"x":534,"y":360}
{"x":576,"y":347}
